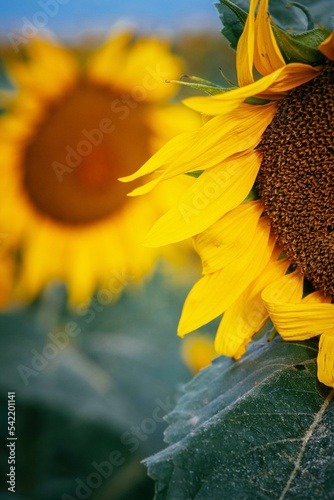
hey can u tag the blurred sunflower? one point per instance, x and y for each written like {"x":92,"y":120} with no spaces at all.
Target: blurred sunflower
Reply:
{"x":7,"y":270}
{"x":72,"y":127}
{"x":262,"y":203}
{"x":197,"y":352}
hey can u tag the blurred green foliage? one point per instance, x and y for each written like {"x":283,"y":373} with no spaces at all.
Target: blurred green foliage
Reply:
{"x":92,"y":388}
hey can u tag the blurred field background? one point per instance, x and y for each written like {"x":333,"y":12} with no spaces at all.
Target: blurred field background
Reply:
{"x":93,"y":384}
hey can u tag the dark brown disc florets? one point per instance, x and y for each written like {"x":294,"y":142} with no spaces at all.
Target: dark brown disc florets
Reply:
{"x":296,"y":178}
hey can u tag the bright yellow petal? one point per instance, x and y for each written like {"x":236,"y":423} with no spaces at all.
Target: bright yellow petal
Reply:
{"x":248,"y":314}
{"x":303,"y":321}
{"x":220,"y":138}
{"x":288,"y":289}
{"x":267,"y":55}
{"x":326,"y":359}
{"x":297,"y":319}
{"x":245,"y":49}
{"x":281,"y":80}
{"x":215,"y":292}
{"x":140,"y":67}
{"x":292,"y":76}
{"x":164,"y":156}
{"x":223,"y":241}
{"x":212,"y":195}
{"x":327,"y":47}
{"x":316,"y":297}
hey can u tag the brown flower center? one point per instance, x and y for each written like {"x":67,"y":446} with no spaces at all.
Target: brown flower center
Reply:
{"x":296,"y":179}
{"x":86,"y":141}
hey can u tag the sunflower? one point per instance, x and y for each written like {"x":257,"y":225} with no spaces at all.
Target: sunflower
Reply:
{"x":261,"y":208}
{"x":72,"y":126}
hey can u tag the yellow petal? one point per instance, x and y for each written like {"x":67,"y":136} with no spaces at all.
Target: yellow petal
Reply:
{"x":45,"y":58}
{"x":248,"y":314}
{"x":106,"y":62}
{"x":38,"y":267}
{"x":267,"y":55}
{"x":208,"y":146}
{"x":316,"y":297}
{"x":139,"y":67}
{"x":303,"y":321}
{"x":293,"y":74}
{"x":212,"y":195}
{"x":245,"y":49}
{"x":327,"y":47}
{"x":215,"y":292}
{"x":281,"y":80}
{"x":81,"y":283}
{"x":164,"y":156}
{"x":223,"y":241}
{"x":297,"y":319}
{"x":288,"y":289}
{"x":217,"y":140}
{"x":326,"y":359}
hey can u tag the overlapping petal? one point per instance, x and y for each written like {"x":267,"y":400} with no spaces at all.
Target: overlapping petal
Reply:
{"x":267,"y":55}
{"x":211,"y":196}
{"x":225,"y":240}
{"x":248,"y":313}
{"x":302,"y":320}
{"x":270,"y":86}
{"x":242,"y":273}
{"x":220,"y":138}
{"x":286,"y":290}
{"x":245,"y":49}
{"x":215,"y":292}
{"x":299,"y":319}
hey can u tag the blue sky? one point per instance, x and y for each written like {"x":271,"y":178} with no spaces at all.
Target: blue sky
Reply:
{"x":67,"y":18}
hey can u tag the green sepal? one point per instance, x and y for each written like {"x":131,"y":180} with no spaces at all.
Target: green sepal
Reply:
{"x":301,"y":47}
{"x":195,"y":173}
{"x":256,"y":100}
{"x":200,"y":84}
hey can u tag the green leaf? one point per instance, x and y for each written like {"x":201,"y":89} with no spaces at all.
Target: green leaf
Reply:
{"x":261,"y":428}
{"x":233,"y":19}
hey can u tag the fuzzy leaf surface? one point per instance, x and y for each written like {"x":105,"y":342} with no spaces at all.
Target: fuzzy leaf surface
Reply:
{"x":260,"y":428}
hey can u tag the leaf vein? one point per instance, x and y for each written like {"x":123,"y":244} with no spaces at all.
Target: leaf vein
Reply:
{"x":305,"y":441}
